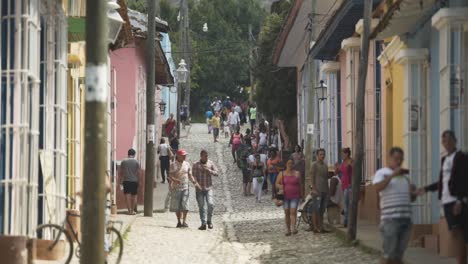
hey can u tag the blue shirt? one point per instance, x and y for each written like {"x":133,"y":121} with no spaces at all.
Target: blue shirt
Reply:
{"x":209,"y":114}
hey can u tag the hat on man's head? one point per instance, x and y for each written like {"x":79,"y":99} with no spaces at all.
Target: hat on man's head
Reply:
{"x":182,"y":152}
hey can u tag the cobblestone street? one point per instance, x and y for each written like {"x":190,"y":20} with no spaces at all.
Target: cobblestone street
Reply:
{"x":244,"y":231}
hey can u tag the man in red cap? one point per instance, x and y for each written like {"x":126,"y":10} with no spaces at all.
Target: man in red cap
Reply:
{"x":181,"y":172}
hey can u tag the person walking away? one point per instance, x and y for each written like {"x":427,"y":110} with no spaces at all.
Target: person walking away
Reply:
{"x":319,"y":184}
{"x":346,"y":171}
{"x":181,"y":173}
{"x":170,"y":126}
{"x":238,"y":110}
{"x":253,"y":116}
{"x":209,"y":115}
{"x":262,"y":140}
{"x":233,"y":120}
{"x":258,"y":176}
{"x":216,"y":105}
{"x":452,"y":189}
{"x":273,"y":170}
{"x":165,"y":154}
{"x":235,"y":142}
{"x":335,"y":202}
{"x":246,"y":174}
{"x":393,"y":185}
{"x":203,"y":170}
{"x":216,"y":123}
{"x":183,"y":115}
{"x":227,"y":103}
{"x":289,"y":182}
{"x":174,"y":143}
{"x":129,"y":178}
{"x":248,"y":137}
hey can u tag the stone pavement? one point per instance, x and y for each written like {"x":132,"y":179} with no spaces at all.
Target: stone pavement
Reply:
{"x":245,"y":231}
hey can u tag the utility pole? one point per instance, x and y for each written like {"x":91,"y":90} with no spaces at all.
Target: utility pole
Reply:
{"x":95,"y":148}
{"x":360,"y":115}
{"x":182,"y":53}
{"x":251,"y":62}
{"x":187,"y":56}
{"x":309,"y":150}
{"x":150,"y":110}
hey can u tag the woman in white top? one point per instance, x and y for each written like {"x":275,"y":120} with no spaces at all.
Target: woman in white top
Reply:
{"x":164,"y":151}
{"x":262,"y":140}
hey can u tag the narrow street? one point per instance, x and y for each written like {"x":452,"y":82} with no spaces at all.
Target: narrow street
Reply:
{"x":244,"y":231}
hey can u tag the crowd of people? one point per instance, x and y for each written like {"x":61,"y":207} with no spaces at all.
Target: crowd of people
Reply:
{"x":264,"y":167}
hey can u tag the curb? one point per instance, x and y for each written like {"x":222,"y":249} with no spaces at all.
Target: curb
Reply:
{"x":341,"y":234}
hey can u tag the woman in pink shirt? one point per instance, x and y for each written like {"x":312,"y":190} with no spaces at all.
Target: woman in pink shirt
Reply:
{"x":346,"y":170}
{"x":288,"y":182}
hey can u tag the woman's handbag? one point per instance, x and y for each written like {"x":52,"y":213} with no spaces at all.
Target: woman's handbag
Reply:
{"x":280,"y":193}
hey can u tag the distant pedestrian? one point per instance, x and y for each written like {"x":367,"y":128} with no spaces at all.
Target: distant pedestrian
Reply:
{"x":227,"y":103}
{"x":289,"y":184}
{"x":234,"y":120}
{"x":129,"y":177}
{"x":174,"y":142}
{"x":258,"y":176}
{"x":181,"y":173}
{"x":253,"y":116}
{"x":208,"y":116}
{"x":216,"y":123}
{"x":203,"y":170}
{"x":238,"y":110}
{"x":393,"y":185}
{"x":184,"y":115}
{"x":248,"y":137}
{"x":346,"y":171}
{"x":297,"y":156}
{"x":235,"y":142}
{"x":226,"y":129}
{"x":319,"y":185}
{"x":246,"y":174}
{"x":273,"y":168}
{"x":453,"y":193}
{"x":217,"y":106}
{"x":170,"y":126}
{"x":165,"y":154}
{"x":262,"y":140}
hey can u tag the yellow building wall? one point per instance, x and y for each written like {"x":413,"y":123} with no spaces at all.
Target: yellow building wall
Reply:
{"x":397,"y":111}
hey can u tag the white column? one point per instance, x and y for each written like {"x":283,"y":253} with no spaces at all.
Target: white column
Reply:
{"x":330,"y":71}
{"x":452,"y":24}
{"x":351,"y":46}
{"x":414,"y":62}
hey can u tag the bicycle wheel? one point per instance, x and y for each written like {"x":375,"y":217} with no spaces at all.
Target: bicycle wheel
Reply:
{"x":54,"y":244}
{"x":114,"y":245}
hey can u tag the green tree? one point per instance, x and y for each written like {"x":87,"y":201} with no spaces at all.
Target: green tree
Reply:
{"x":276,"y":87}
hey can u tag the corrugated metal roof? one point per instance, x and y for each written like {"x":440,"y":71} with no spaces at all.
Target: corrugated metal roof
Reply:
{"x":340,"y":26}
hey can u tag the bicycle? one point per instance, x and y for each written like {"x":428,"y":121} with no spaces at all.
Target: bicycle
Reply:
{"x":62,"y":238}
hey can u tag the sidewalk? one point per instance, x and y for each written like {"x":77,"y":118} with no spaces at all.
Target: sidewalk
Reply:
{"x":369,"y":238}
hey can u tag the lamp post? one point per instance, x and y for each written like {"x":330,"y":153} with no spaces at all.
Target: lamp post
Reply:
{"x":321,"y":92}
{"x":182,"y":74}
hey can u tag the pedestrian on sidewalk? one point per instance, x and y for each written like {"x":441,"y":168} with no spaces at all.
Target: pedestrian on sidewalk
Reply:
{"x":129,"y":177}
{"x":246,"y":174}
{"x":253,"y":116}
{"x":289,"y":186}
{"x":165,"y":154}
{"x":273,"y":165}
{"x":262,"y":140}
{"x":170,"y":126}
{"x":258,"y":176}
{"x":318,"y":183}
{"x":174,"y":142}
{"x":226,"y":129}
{"x":216,"y":123}
{"x":346,"y":171}
{"x":234,"y":120}
{"x":393,"y":185}
{"x":453,"y":193}
{"x":235,"y":142}
{"x":203,"y":170}
{"x":181,"y":173}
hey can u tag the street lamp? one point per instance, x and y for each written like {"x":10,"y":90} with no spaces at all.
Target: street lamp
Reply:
{"x":182,"y":72}
{"x":162,"y":107}
{"x":205,"y":27}
{"x":115,"y":21}
{"x":321,"y":91}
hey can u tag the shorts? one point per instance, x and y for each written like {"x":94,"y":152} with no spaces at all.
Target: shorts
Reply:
{"x":291,"y":203}
{"x":181,"y":202}
{"x":235,"y":147}
{"x":130,"y":187}
{"x":453,"y":222}
{"x":183,"y":118}
{"x":246,"y":175}
{"x":215,"y":132}
{"x":395,"y":234}
{"x":233,"y":128}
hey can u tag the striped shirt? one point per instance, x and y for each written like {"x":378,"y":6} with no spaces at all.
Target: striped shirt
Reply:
{"x":395,"y":201}
{"x":202,"y":175}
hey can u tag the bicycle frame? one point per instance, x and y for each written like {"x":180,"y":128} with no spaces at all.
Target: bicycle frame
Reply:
{"x":71,"y":229}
